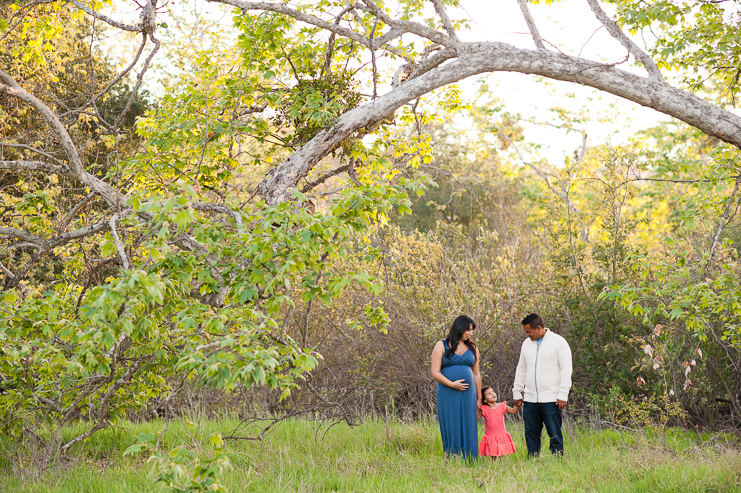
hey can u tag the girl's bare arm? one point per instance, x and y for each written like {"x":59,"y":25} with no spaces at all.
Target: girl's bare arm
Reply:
{"x":513,"y":410}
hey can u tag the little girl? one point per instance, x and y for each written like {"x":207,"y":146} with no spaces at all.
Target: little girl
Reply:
{"x":496,"y":442}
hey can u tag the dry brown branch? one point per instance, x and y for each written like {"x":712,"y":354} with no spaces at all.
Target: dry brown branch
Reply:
{"x":63,"y":226}
{"x":7,"y":271}
{"x":102,"y":415}
{"x":723,"y":219}
{"x":32,"y":149}
{"x":104,"y":18}
{"x":313,"y":184}
{"x":139,"y":80}
{"x":221,"y":209}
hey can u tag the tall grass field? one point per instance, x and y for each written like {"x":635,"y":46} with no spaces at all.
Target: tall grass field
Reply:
{"x":308,"y":456}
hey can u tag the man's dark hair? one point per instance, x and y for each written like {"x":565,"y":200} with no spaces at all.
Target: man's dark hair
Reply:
{"x":533,"y":320}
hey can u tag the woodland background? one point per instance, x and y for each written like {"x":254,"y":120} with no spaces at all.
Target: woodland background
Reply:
{"x":181,"y":291}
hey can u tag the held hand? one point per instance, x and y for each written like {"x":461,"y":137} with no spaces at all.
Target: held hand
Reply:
{"x":459,"y":385}
{"x":517,"y":402}
{"x":561,"y":404}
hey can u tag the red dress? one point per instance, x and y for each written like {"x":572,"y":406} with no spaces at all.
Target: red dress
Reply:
{"x":496,"y":441}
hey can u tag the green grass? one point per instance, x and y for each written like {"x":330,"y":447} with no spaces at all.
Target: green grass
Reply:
{"x":303,"y":456}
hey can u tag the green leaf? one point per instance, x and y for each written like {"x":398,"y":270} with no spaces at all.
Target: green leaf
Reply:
{"x":676,"y":313}
{"x":145,"y":437}
{"x":109,"y":340}
{"x":133,"y":449}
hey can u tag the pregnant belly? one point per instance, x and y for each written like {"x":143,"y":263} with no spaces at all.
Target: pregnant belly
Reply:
{"x":458,"y":372}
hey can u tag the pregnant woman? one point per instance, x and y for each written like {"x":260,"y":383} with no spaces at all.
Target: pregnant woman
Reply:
{"x":455,"y":366}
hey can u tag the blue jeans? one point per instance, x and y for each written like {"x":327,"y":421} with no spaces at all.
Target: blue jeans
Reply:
{"x":536,"y":415}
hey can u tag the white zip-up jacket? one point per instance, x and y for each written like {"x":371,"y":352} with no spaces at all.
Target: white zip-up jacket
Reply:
{"x":544,"y":373}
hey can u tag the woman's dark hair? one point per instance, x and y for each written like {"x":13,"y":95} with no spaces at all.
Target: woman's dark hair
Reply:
{"x":460,"y":325}
{"x":483,"y":391}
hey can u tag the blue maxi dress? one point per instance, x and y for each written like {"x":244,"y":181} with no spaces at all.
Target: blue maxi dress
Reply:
{"x":456,"y":410}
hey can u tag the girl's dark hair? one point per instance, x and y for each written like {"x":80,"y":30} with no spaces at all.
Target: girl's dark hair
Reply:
{"x":460,"y":325}
{"x":483,"y":391}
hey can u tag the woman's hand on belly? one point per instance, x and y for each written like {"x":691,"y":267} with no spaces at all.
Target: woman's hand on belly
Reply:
{"x":459,"y":385}
{"x":458,"y":375}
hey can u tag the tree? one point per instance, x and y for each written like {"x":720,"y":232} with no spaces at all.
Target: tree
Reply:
{"x":174,"y":274}
{"x":454,"y":60}
{"x":201,"y":276}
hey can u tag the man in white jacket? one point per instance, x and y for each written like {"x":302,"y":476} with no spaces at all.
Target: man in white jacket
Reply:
{"x":544,"y":376}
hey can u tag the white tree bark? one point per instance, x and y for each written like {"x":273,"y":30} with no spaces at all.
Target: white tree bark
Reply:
{"x":9,"y":86}
{"x":477,"y":58}
{"x":44,"y":244}
{"x":618,"y":34}
{"x":36,"y":166}
{"x":531,"y":24}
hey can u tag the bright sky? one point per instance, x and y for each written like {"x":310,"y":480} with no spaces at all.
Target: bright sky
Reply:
{"x":572,"y":27}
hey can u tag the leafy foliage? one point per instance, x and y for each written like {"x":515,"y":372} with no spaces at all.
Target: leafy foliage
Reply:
{"x":113,"y":303}
{"x":172,"y":468}
{"x":697,"y":37}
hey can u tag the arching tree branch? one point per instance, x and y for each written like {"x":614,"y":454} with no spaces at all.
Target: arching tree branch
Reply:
{"x":479,"y":58}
